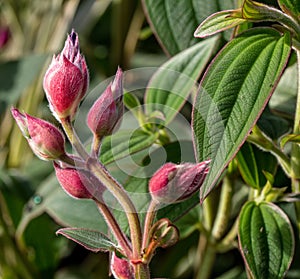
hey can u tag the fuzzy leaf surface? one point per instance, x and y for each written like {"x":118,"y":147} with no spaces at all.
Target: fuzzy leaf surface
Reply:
{"x":233,"y":94}
{"x":266,"y":240}
{"x":92,"y":240}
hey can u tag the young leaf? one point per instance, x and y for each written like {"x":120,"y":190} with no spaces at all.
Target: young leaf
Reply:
{"x":252,"y":162}
{"x":92,"y":240}
{"x":266,"y":240}
{"x":232,"y":95}
{"x":175,"y":21}
{"x":123,"y":144}
{"x":219,"y":22}
{"x":171,"y":85}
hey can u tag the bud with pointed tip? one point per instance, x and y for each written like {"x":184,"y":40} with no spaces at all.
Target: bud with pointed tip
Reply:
{"x":107,"y":111}
{"x":78,"y":183}
{"x":66,"y":80}
{"x":121,"y":268}
{"x":45,"y":140}
{"x":174,"y":183}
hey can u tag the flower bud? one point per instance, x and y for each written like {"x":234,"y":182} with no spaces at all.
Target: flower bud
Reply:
{"x":66,"y":80}
{"x":107,"y":111}
{"x":164,"y":233}
{"x":78,"y":183}
{"x":45,"y":140}
{"x":174,"y":183}
{"x":121,"y":268}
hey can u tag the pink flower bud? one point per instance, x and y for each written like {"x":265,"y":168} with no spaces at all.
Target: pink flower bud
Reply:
{"x":174,"y":183}
{"x":121,"y":268}
{"x":78,"y":183}
{"x":107,"y":111}
{"x":66,"y":80}
{"x":45,"y":140}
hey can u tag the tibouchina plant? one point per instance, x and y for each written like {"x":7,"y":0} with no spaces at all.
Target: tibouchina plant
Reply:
{"x":83,"y":176}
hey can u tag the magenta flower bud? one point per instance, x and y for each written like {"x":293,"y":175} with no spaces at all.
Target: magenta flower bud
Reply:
{"x":174,"y":183}
{"x":45,"y":140}
{"x":121,"y":268}
{"x":79,"y":184}
{"x":66,"y":80}
{"x":107,"y":111}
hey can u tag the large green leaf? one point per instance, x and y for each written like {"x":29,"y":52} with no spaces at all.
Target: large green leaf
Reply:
{"x":232,"y":95}
{"x":174,"y":22}
{"x":266,"y":240}
{"x":90,"y":239}
{"x":171,"y":85}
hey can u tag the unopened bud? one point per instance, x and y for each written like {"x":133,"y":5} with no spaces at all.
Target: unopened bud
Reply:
{"x":164,"y":233}
{"x":107,"y":111}
{"x":66,"y":80}
{"x":121,"y":268}
{"x":174,"y":183}
{"x":78,"y":183}
{"x":45,"y":140}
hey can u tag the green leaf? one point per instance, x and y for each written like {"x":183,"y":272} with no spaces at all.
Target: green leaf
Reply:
{"x":256,"y":12}
{"x":252,"y":162}
{"x":291,"y":7}
{"x":273,"y":126}
{"x":89,"y":239}
{"x":219,"y":22}
{"x":16,"y":76}
{"x":174,"y":22}
{"x":125,"y":143}
{"x":266,"y":240}
{"x":171,"y":85}
{"x":289,"y":138}
{"x":232,"y":95}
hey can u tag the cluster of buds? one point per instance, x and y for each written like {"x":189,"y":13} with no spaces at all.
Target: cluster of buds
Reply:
{"x":175,"y":183}
{"x":65,"y":83}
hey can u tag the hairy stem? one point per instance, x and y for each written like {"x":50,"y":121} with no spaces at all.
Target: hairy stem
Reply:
{"x":115,"y":228}
{"x":73,"y":138}
{"x":120,"y":194}
{"x":150,"y":216}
